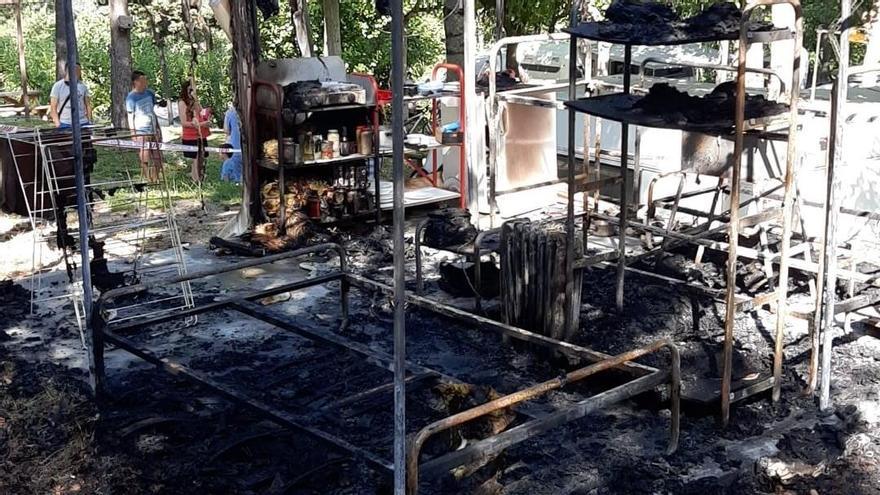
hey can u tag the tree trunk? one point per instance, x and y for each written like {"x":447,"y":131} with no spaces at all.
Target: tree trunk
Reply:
{"x":22,"y":67}
{"x":60,"y":41}
{"x":159,"y":41}
{"x":299,"y":12}
{"x":120,"y":62}
{"x":332,"y":33}
{"x":512,"y":62}
{"x":245,"y":53}
{"x":453,"y":24}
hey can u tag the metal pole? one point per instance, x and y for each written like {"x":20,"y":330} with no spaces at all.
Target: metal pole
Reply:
{"x":733,"y":229}
{"x":81,"y":209}
{"x":835,"y":158}
{"x":624,"y":184}
{"x":787,"y":206}
{"x":818,"y":57}
{"x":572,"y":189}
{"x":397,"y":75}
{"x":473,"y":138}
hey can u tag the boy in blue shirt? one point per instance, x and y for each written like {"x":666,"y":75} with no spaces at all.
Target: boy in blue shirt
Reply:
{"x":142,"y":120}
{"x":231,"y":169}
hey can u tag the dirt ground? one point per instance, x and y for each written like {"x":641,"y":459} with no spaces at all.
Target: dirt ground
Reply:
{"x":156,"y":433}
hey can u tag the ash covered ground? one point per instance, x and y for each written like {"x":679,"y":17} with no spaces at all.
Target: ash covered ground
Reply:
{"x":156,"y":433}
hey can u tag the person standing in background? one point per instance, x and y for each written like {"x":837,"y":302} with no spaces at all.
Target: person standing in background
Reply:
{"x":196,"y":128}
{"x":142,"y":120}
{"x":59,"y":101}
{"x":231,"y":169}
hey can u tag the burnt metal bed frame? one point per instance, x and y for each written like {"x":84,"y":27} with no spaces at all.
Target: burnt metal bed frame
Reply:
{"x":642,"y":378}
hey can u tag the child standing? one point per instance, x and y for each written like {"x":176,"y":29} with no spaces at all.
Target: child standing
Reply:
{"x":231,"y":169}
{"x":142,"y":120}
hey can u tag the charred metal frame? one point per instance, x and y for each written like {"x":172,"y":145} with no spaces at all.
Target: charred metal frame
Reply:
{"x":644,"y":378}
{"x":487,"y":447}
{"x":826,"y":304}
{"x":517,"y":96}
{"x":731,"y":220}
{"x":472,"y":251}
{"x":103,"y":333}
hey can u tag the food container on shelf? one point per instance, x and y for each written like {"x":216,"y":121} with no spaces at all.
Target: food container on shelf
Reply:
{"x":326,"y":150}
{"x":292,"y":151}
{"x":364,"y":140}
{"x":346,"y":148}
{"x":313,"y":207}
{"x":308,"y":148}
{"x":352,"y":202}
{"x":333,"y":138}
{"x":317,"y":146}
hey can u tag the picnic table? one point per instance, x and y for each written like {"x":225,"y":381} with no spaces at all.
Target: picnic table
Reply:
{"x":14,"y":100}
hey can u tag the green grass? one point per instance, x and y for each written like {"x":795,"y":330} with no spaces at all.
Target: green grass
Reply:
{"x":23,"y":122}
{"x":115,"y":164}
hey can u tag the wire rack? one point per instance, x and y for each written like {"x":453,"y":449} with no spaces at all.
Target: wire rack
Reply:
{"x":132,"y":230}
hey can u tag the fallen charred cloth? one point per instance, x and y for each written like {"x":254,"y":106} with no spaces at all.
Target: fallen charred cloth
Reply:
{"x":333,"y":382}
{"x":667,"y":107}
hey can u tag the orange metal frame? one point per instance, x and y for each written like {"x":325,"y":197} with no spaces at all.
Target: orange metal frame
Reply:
{"x":462,"y":166}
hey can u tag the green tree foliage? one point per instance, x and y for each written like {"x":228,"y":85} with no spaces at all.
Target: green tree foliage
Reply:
{"x":529,"y":16}
{"x":39,"y":48}
{"x":93,"y":34}
{"x":366,"y":36}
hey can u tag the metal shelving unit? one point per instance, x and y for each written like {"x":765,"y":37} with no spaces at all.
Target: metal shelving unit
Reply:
{"x":434,"y":99}
{"x":274,"y":114}
{"x":619,"y":107}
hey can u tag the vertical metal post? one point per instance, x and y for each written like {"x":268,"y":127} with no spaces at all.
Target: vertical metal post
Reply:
{"x":637,"y":170}
{"x":572,"y":189}
{"x":787,"y":205}
{"x":733,"y":229}
{"x":624,"y":184}
{"x":818,"y":57}
{"x":473,"y":139}
{"x":832,"y":211}
{"x":22,"y":65}
{"x":397,"y":75}
{"x":93,"y":341}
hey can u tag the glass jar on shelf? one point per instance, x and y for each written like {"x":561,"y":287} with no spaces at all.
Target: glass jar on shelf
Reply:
{"x":333,"y":138}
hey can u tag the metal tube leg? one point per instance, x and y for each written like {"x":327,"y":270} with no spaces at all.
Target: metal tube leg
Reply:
{"x":675,"y":400}
{"x":398,"y":69}
{"x":478,"y":276}
{"x":813,"y":325}
{"x":787,"y":212}
{"x":569,"y":221}
{"x":733,"y":232}
{"x":637,"y":170}
{"x":344,"y":287}
{"x":624,"y":187}
{"x":832,"y":213}
{"x":420,"y":284}
{"x":95,"y":347}
{"x":831,"y":218}
{"x":96,"y":367}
